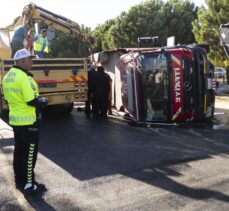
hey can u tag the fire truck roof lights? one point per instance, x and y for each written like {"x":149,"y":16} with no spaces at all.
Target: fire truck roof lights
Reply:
{"x":148,"y":39}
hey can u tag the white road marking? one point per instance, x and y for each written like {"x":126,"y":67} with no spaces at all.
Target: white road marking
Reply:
{"x":194,"y":132}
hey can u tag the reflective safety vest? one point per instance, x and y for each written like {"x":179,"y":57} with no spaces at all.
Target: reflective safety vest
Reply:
{"x":18,"y":89}
{"x":38,"y":44}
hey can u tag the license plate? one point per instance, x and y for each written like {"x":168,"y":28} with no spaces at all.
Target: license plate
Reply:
{"x":47,"y":85}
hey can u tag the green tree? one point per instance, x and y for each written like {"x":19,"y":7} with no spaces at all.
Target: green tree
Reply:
{"x":177,"y":18}
{"x":66,"y":46}
{"x":206,"y":28}
{"x":150,"y":18}
{"x":99,"y":36}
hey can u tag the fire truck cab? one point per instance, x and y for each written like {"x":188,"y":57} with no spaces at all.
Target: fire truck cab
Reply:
{"x":169,"y":84}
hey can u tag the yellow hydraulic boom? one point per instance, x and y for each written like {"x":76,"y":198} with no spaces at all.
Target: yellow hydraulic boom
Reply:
{"x":34,"y":14}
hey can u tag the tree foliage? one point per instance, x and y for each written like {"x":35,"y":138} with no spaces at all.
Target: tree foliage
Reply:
{"x":150,"y":18}
{"x":206,"y":27}
{"x":66,"y":46}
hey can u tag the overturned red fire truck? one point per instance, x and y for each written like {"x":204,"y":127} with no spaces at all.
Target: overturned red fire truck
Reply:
{"x":169,"y":84}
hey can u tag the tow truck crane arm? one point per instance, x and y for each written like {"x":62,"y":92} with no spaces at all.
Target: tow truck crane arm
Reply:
{"x":224,"y":37}
{"x":34,"y":14}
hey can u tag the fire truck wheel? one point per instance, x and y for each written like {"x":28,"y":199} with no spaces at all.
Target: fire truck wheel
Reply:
{"x":69,"y":107}
{"x":60,"y":108}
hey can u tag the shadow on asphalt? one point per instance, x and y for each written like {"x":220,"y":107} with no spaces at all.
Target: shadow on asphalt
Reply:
{"x":38,"y":203}
{"x":88,"y":148}
{"x":160,"y":177}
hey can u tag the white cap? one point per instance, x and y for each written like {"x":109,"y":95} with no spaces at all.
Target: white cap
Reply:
{"x":21,"y":54}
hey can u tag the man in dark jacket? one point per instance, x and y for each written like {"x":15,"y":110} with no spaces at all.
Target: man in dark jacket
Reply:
{"x":101,"y":92}
{"x":90,"y":103}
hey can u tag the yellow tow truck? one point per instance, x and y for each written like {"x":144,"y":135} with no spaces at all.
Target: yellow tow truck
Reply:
{"x":62,"y":80}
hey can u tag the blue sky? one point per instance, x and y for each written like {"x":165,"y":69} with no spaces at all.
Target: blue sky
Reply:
{"x":87,"y":12}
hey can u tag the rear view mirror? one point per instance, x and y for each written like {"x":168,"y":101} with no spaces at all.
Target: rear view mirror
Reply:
{"x":224,"y":37}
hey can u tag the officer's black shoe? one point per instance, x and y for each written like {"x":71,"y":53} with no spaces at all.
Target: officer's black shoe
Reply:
{"x":33,"y":189}
{"x":40,"y":187}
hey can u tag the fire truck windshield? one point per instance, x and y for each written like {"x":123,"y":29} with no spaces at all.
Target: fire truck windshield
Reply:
{"x":153,"y":61}
{"x":154,"y":79}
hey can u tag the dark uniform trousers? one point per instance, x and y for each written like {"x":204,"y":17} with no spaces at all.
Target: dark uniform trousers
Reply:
{"x":90,"y":105}
{"x":25,"y":153}
{"x":101,"y":105}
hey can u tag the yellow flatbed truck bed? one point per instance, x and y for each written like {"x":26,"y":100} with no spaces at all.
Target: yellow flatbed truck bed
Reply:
{"x":62,"y":80}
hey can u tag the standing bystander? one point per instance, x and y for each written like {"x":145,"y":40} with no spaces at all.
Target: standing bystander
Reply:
{"x":90,"y":103}
{"x":110,"y":98}
{"x":20,"y":35}
{"x":101,"y":92}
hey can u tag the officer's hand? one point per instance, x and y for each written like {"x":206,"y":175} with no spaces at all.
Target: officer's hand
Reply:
{"x":43,"y":101}
{"x":39,"y":116}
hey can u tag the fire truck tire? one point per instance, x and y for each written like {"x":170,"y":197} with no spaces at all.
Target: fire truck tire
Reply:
{"x":69,"y":107}
{"x":64,"y":108}
{"x":60,"y":108}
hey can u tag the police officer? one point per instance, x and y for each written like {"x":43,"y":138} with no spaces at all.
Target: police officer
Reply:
{"x":21,"y":93}
{"x":101,"y":92}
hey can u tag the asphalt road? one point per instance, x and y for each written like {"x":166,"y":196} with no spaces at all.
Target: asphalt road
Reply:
{"x":91,"y":164}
